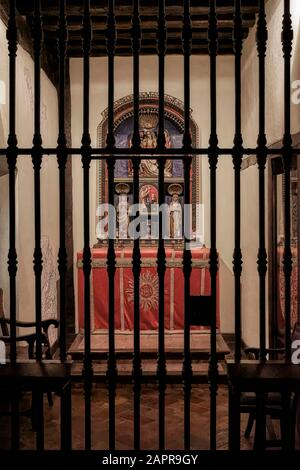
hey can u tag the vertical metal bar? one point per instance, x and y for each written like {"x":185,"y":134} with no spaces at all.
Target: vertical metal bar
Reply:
{"x":15,"y":421}
{"x":234,"y":419}
{"x":213,"y":256}
{"x":288,"y":423}
{"x":111,"y":38}
{"x":37,"y":161}
{"x":86,"y":159}
{"x":111,"y":365}
{"x":237,"y":161}
{"x":11,"y":162}
{"x":136,"y":267}
{"x":39,"y":403}
{"x":66,"y":418}
{"x":260,"y":429}
{"x":187,"y":49}
{"x":111,"y":373}
{"x":261,"y":38}
{"x":62,"y":36}
{"x":12,"y":253}
{"x":187,"y":372}
{"x":161,"y":253}
{"x":136,"y":46}
{"x":111,"y":257}
{"x":287,"y":42}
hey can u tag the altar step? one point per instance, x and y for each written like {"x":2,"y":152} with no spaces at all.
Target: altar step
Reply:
{"x":149,"y":368}
{"x":200,"y":351}
{"x":174,"y":345}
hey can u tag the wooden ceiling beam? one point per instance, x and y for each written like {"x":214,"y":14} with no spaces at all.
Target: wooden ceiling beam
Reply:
{"x":126,"y":52}
{"x":172,"y":44}
{"x":147,"y":7}
{"x":146,"y":35}
{"x":149,"y":11}
{"x":50,"y":23}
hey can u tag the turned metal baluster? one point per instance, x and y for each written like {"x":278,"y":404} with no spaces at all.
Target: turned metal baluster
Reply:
{"x":111,"y":373}
{"x":62,"y":161}
{"x":37,"y":161}
{"x":237,"y":161}
{"x":161,"y":253}
{"x":213,"y":256}
{"x":287,"y":43}
{"x":111,"y":256}
{"x":262,"y":36}
{"x":37,"y":154}
{"x":11,"y":154}
{"x":87,"y":372}
{"x":136,"y":257}
{"x":62,"y":155}
{"x":187,"y":372}
{"x":262,"y":152}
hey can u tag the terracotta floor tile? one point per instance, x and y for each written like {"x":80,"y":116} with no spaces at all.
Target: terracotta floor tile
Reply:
{"x":174,"y":420}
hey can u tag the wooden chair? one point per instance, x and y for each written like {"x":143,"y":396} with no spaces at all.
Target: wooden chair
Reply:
{"x":200,"y":310}
{"x":273,"y":403}
{"x":30,"y":339}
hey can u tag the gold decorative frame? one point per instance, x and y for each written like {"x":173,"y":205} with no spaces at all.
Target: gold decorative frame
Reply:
{"x":149,"y":103}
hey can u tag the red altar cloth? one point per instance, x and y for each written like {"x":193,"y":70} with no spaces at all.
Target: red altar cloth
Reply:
{"x":174,"y":282}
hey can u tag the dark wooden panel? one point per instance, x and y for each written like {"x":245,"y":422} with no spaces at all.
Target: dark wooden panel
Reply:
{"x":269,"y":376}
{"x":48,"y":375}
{"x":148,"y":22}
{"x":148,"y":16}
{"x":174,"y":7}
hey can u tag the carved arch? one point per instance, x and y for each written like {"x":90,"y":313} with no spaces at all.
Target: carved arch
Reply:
{"x":149,"y":103}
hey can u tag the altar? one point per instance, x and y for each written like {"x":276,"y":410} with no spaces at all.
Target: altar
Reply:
{"x":118,"y":222}
{"x":174,"y":285}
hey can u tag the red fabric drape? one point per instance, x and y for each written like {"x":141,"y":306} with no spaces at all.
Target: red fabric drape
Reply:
{"x":174,"y":282}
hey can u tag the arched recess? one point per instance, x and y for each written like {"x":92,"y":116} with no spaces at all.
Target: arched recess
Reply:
{"x":174,"y":114}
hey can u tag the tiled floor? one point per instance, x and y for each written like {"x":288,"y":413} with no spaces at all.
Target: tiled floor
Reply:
{"x":124,"y":419}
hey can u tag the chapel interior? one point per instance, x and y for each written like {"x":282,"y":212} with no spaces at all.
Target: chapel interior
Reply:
{"x":124,"y":193}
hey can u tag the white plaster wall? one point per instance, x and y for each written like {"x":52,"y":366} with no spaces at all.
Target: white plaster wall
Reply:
{"x":201,"y":113}
{"x":274,"y":132}
{"x":24,"y":179}
{"x":4,"y":281}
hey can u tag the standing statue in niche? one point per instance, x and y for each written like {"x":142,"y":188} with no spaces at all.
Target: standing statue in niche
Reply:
{"x":122,"y":190}
{"x":148,"y":135}
{"x":175,"y":211}
{"x":123,"y":218}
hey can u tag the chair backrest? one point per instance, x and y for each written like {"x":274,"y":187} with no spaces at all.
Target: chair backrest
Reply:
{"x":200,"y":310}
{"x":253,"y":353}
{"x":3,"y":325}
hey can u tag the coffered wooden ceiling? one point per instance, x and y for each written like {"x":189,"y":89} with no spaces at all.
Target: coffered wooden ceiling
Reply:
{"x":149,"y":11}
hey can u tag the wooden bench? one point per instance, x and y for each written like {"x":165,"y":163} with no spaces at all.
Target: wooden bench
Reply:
{"x":38,"y":378}
{"x":262,"y":378}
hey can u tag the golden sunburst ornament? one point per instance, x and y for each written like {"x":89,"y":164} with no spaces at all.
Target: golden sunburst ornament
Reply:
{"x":148,"y":290}
{"x":148,"y":121}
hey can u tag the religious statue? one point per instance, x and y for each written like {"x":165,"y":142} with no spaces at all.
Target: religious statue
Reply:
{"x":148,"y":135}
{"x":148,"y":198}
{"x":144,"y":199}
{"x":175,"y":214}
{"x":122,"y":190}
{"x":154,"y":203}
